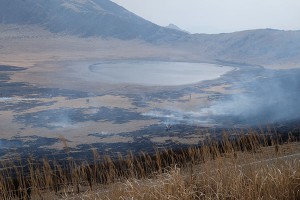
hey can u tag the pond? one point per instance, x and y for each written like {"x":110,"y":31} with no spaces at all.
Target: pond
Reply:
{"x":149,"y":73}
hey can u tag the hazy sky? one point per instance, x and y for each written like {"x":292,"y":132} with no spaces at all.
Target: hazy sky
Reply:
{"x":214,"y":16}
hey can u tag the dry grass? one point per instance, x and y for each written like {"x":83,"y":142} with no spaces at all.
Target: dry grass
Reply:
{"x":279,"y":181}
{"x":247,"y":166}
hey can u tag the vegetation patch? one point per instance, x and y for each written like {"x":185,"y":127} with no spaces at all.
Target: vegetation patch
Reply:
{"x":247,"y":166}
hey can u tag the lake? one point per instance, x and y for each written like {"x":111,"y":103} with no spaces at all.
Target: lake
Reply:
{"x":157,"y":73}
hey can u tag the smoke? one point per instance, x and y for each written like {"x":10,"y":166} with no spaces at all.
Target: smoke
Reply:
{"x":269,"y":97}
{"x":269,"y":100}
{"x":176,"y":116}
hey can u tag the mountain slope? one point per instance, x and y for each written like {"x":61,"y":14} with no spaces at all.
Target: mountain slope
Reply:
{"x":174,"y":27}
{"x":84,"y":18}
{"x":106,"y":19}
{"x":262,"y":46}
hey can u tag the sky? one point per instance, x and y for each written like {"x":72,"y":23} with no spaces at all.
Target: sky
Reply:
{"x":218,"y":16}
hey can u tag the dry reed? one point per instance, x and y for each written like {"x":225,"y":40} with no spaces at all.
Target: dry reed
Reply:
{"x":246,"y":166}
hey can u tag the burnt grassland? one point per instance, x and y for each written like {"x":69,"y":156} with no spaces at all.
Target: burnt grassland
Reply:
{"x":248,"y":164}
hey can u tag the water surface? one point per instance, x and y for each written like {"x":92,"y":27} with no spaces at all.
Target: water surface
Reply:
{"x":157,"y":73}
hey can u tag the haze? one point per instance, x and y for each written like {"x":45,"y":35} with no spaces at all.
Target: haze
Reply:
{"x":214,"y":16}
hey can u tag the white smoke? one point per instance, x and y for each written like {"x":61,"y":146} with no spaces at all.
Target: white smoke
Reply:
{"x":179,"y":117}
{"x":266,"y":99}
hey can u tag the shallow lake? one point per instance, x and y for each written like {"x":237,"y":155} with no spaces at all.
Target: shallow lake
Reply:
{"x":157,"y":73}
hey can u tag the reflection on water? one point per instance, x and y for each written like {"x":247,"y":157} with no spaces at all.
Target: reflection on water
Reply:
{"x":157,"y":73}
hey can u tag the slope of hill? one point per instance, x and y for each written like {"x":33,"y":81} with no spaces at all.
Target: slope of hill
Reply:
{"x":84,"y":18}
{"x":174,"y":27}
{"x":105,"y":19}
{"x":262,"y":46}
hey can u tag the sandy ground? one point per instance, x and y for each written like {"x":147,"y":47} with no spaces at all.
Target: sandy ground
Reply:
{"x":30,"y":46}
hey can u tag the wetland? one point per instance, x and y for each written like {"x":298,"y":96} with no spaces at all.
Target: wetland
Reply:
{"x":91,"y":105}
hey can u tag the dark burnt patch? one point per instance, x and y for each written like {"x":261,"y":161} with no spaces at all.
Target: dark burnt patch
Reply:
{"x":58,"y":118}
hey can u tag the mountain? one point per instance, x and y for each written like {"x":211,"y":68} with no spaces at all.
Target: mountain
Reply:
{"x":262,"y":46}
{"x":174,"y":27}
{"x":105,"y":19}
{"x":84,"y":18}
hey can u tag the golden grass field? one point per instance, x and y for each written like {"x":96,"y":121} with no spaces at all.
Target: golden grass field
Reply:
{"x":248,"y":166}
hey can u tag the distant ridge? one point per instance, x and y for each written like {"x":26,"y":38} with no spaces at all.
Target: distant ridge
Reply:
{"x":261,"y":46}
{"x":105,"y":19}
{"x":174,"y":27}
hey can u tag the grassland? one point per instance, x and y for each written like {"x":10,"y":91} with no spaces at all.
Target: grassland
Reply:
{"x":248,"y":166}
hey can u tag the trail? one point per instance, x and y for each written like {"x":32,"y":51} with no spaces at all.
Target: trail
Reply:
{"x":272,"y":159}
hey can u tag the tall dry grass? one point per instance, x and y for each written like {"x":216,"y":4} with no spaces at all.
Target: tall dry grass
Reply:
{"x":244,"y":166}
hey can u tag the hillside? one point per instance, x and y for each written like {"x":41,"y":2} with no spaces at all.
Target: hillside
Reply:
{"x":261,"y":47}
{"x":174,"y":27}
{"x":84,"y":18}
{"x":107,"y":20}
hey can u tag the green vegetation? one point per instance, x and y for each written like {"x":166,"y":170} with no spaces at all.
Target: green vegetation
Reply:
{"x":244,"y":166}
